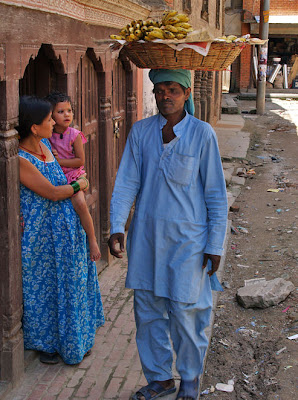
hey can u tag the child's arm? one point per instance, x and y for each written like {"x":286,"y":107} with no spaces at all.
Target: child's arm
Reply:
{"x":79,"y":159}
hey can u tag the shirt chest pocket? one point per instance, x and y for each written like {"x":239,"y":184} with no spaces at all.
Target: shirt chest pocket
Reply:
{"x":180,"y":168}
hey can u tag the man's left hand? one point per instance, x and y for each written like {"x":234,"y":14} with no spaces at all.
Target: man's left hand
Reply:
{"x":215,"y":261}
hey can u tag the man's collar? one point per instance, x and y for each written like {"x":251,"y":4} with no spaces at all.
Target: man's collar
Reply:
{"x":178,"y":128}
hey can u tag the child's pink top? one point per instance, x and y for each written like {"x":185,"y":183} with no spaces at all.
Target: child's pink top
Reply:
{"x":63,"y":143}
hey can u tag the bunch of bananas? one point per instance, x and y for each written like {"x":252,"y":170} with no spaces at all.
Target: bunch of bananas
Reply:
{"x":172,"y":26}
{"x":175,"y":26}
{"x":137,"y":30}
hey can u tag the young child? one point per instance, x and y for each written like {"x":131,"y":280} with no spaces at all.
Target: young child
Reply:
{"x":67,"y":147}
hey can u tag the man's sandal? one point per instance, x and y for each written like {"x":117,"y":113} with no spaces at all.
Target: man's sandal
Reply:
{"x":188,"y":390}
{"x":157,"y":388}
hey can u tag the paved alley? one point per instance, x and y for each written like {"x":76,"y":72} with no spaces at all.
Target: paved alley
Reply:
{"x":112,"y":370}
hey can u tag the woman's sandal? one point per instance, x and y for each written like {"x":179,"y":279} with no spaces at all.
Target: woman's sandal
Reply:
{"x":188,"y":390}
{"x":155,"y":387}
{"x":88,"y":353}
{"x":48,"y":358}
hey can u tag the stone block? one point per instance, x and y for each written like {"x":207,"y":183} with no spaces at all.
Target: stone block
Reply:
{"x":263,"y":294}
{"x":238,"y":180}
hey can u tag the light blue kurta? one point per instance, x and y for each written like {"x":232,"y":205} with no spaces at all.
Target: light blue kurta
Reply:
{"x":181,"y":206}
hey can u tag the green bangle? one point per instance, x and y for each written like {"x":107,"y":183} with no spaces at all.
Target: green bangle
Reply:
{"x":76,"y":186}
{"x":87,"y":182}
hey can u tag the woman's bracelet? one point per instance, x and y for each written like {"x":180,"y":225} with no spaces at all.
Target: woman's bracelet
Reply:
{"x":87,"y":182}
{"x":76,"y":186}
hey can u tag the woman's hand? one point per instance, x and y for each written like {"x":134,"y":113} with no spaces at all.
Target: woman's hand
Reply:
{"x":55,"y":153}
{"x":83,"y":182}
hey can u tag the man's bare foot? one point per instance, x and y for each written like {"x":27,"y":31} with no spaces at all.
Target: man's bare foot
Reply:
{"x":94,"y":250}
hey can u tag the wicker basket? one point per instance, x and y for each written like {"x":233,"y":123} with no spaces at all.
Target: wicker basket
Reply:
{"x":161,"y":56}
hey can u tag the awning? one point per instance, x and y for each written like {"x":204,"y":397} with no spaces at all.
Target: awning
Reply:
{"x":280,"y":19}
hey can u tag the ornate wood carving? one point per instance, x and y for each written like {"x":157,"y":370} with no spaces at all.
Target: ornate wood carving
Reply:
{"x":8,"y":144}
{"x":204,"y":96}
{"x":105,"y":106}
{"x":197,"y":93}
{"x":209,"y":86}
{"x":97,"y":12}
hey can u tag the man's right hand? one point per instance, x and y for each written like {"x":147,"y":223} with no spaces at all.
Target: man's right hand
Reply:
{"x":113,"y":241}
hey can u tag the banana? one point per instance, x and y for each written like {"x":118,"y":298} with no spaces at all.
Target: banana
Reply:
{"x":167,"y":15}
{"x":180,"y":36}
{"x":181,"y":30}
{"x":131,"y":38}
{"x":171,"y":28}
{"x":117,"y":37}
{"x":148,"y":22}
{"x":138,"y":33}
{"x":156,"y":35}
{"x":182,"y":17}
{"x":184,"y":25}
{"x":169,"y":35}
{"x":171,"y":21}
{"x":123,"y":32}
{"x":154,"y":28}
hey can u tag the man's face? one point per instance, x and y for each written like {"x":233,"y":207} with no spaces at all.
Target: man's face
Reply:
{"x":170,"y":97}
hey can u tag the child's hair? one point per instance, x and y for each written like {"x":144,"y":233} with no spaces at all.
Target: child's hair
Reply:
{"x":56,"y":97}
{"x":32,"y":110}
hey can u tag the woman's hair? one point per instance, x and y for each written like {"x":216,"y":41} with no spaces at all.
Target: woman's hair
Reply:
{"x":32,"y":110}
{"x":56,"y":97}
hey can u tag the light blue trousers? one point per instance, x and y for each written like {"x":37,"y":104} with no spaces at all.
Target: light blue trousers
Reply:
{"x":158,"y":320}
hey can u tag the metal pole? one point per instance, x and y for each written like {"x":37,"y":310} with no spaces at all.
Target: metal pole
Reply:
{"x":263,"y":53}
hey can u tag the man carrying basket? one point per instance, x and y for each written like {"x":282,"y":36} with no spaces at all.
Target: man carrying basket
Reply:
{"x":171,"y":166}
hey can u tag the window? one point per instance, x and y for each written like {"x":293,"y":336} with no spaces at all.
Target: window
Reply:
{"x":237,"y":4}
{"x":204,"y":12}
{"x":217,"y":14}
{"x":186,"y":6}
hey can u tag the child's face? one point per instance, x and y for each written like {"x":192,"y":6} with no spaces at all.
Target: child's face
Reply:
{"x":62,"y":115}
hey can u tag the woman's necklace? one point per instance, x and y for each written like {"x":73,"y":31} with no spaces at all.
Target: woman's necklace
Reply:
{"x":42,"y":155}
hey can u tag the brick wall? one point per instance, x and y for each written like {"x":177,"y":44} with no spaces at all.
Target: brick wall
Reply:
{"x":245,"y":60}
{"x":277,"y":7}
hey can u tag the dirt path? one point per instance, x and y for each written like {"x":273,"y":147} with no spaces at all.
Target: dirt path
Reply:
{"x":259,"y":357}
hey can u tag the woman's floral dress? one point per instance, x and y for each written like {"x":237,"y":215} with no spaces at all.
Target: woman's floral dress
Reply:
{"x":62,"y":302}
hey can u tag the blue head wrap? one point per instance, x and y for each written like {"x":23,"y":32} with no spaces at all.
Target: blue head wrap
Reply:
{"x":181,"y":76}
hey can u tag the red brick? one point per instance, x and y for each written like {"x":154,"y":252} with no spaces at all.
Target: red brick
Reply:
{"x":65,"y":394}
{"x":75,"y":380}
{"x":85,"y":387}
{"x":113,"y":388}
{"x":94,"y":369}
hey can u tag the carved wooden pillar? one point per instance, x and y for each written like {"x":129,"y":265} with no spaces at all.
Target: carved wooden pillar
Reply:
{"x":197,"y":93}
{"x":11,"y":337}
{"x":106,"y":170}
{"x":131,"y":108}
{"x":210,"y":97}
{"x":204,"y":96}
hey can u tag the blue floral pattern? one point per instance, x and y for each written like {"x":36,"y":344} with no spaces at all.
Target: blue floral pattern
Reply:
{"x":62,"y":302}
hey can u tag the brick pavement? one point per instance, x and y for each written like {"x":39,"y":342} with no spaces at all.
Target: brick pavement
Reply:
{"x":112,"y":371}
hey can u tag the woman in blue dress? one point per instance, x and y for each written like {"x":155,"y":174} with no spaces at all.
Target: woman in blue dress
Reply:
{"x":62,"y":302}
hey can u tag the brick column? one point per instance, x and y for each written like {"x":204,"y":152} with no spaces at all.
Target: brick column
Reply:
{"x":245,"y":61}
